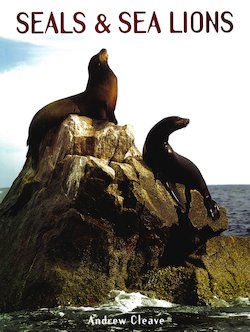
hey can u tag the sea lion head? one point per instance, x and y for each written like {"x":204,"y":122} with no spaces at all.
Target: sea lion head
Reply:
{"x":98,"y":66}
{"x":167,"y":126}
{"x":173,"y":123}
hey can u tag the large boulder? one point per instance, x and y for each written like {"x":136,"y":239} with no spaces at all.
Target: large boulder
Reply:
{"x":91,"y":218}
{"x":217,"y":274}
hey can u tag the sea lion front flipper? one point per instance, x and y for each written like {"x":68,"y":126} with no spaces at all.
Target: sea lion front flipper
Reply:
{"x":171,"y":188}
{"x":113,"y":119}
{"x":188,"y":199}
{"x":110,"y":115}
{"x":212,"y":207}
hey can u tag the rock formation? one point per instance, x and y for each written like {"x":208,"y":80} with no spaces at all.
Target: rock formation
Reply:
{"x":217,"y":274}
{"x":92,"y":218}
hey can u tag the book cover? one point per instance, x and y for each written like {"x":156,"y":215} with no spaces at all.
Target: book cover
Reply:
{"x":98,"y":229}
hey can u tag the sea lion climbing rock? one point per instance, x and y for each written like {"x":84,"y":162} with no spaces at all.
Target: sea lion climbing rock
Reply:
{"x":171,"y":168}
{"x":98,"y":102}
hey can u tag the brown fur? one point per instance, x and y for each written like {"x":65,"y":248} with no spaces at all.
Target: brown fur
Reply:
{"x":98,"y":102}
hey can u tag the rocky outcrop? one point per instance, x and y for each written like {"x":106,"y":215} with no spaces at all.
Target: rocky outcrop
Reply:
{"x":223,"y":271}
{"x":216,"y":274}
{"x":91,"y":218}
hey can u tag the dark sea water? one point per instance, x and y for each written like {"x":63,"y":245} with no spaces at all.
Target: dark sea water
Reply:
{"x":236,"y":199}
{"x":135,"y":312}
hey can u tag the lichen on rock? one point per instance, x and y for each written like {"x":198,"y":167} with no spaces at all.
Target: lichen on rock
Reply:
{"x":217,"y":274}
{"x":226,"y":260}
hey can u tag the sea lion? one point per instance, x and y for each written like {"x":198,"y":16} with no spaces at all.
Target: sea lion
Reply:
{"x":171,"y":168}
{"x":98,"y":102}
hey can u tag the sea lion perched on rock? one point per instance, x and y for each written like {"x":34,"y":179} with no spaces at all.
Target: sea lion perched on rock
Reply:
{"x":171,"y":168}
{"x":98,"y":102}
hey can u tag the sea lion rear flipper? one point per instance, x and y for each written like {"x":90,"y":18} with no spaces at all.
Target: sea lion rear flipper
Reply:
{"x":212,"y":208}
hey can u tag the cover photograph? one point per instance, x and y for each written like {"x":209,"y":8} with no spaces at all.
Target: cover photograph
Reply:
{"x":124,"y":165}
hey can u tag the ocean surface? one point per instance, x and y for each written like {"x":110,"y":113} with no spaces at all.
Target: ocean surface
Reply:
{"x":135,"y":312}
{"x":236,"y":199}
